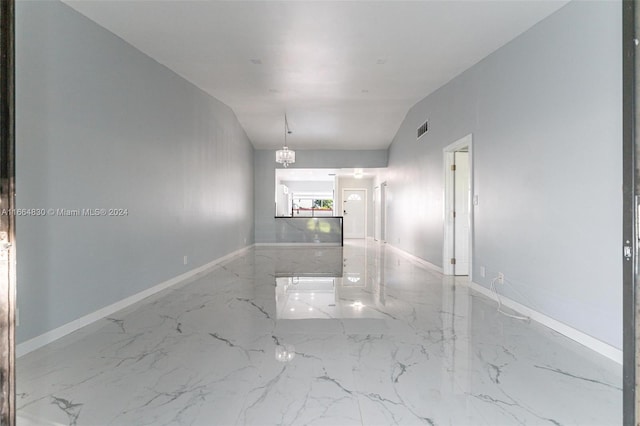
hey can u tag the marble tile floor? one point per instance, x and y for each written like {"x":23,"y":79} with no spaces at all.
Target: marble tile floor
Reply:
{"x":358,"y":335}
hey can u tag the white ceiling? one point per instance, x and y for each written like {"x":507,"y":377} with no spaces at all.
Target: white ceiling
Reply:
{"x":345,"y":72}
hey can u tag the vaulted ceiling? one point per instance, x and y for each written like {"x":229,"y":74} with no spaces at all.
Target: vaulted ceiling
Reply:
{"x":345,"y":72}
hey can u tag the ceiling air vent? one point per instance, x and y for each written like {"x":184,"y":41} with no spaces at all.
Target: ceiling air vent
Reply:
{"x":423,"y":129}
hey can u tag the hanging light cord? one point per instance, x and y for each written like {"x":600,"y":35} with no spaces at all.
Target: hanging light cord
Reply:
{"x":286,"y":130}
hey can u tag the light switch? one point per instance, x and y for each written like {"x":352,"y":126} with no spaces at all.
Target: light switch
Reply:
{"x":475,"y":200}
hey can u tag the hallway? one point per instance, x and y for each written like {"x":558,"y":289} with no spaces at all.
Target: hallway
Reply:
{"x":359,"y":335}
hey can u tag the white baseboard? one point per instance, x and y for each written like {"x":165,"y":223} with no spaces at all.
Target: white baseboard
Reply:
{"x":297,"y":244}
{"x":584,"y":339}
{"x":415,"y":258}
{"x":55,"y":334}
{"x":590,"y":342}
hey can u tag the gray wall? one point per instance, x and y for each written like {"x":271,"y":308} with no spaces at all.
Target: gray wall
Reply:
{"x":101,"y":125}
{"x":265,"y":177}
{"x":545,"y":114}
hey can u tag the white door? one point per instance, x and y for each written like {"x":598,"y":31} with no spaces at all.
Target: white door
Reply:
{"x":377,"y":213}
{"x":354,"y":212}
{"x":383,"y":212}
{"x":461,"y":213}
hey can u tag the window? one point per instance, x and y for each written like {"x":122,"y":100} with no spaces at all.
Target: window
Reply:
{"x":312,"y":207}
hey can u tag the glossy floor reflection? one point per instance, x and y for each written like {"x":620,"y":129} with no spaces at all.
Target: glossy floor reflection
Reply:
{"x":353,"y":336}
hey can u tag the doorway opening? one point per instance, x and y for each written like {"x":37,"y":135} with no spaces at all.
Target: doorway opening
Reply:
{"x":458,"y":208}
{"x":305,"y":193}
{"x":380,"y":212}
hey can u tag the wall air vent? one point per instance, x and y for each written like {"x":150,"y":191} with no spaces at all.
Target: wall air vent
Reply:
{"x":423,"y":129}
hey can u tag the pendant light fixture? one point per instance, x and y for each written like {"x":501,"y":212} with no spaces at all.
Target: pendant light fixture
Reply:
{"x":285,"y":156}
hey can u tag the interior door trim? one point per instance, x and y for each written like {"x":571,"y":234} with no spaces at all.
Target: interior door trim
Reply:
{"x":7,"y":224}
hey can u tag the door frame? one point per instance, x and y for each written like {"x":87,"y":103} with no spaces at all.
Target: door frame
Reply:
{"x":377,"y":213}
{"x":448,"y":227}
{"x":7,"y":222}
{"x":380,"y":212}
{"x":383,"y":211}
{"x":631,"y":213}
{"x":366,"y":211}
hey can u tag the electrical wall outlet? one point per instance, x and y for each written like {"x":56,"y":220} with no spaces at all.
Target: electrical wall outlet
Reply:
{"x":185,"y":260}
{"x":500,"y":278}
{"x":483,"y":271}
